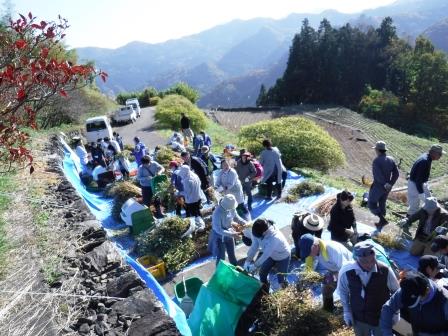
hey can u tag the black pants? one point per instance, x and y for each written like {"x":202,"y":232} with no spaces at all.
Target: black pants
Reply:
{"x":278,"y":186}
{"x":193,"y":209}
{"x":147,"y":195}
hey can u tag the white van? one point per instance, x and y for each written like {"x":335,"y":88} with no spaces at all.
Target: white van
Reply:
{"x":135,"y":105}
{"x":124,"y":114}
{"x":98,"y":127}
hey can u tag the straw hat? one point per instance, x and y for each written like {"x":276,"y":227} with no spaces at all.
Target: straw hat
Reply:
{"x":313,"y":222}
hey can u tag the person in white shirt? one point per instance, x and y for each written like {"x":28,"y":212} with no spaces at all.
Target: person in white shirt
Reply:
{"x":275,"y":251}
{"x":81,"y":153}
{"x":329,"y":255}
{"x":364,"y":285}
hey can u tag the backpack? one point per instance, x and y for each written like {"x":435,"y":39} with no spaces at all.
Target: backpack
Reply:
{"x":202,"y":163}
{"x":258,"y":168}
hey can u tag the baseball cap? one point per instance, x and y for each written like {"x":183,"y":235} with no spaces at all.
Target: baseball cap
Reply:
{"x":413,"y":285}
{"x":306,"y":241}
{"x":439,"y":243}
{"x":363,"y":249}
{"x":429,"y":260}
{"x":380,"y":145}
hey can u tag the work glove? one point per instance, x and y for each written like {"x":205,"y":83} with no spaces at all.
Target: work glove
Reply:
{"x":348,"y":319}
{"x":388,"y":186}
{"x":441,"y":230}
{"x":246,"y":265}
{"x":246,"y":179}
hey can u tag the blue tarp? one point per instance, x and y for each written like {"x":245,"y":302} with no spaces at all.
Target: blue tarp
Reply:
{"x":280,"y":212}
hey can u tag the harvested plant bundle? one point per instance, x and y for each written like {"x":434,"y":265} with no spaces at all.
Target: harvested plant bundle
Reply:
{"x":165,"y":155}
{"x":126,"y":154}
{"x":304,"y":189}
{"x":389,"y":240}
{"x":293,"y":312}
{"x":164,"y":242}
{"x":166,"y":194}
{"x":121,"y":192}
{"x":323,"y":208}
{"x":308,"y":279}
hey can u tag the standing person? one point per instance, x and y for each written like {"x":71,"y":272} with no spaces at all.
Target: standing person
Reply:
{"x":302,"y":223}
{"x":426,"y":303}
{"x":192,"y":192}
{"x":118,"y":139}
{"x":273,"y":169}
{"x":419,"y":176}
{"x":199,"y":168}
{"x":342,"y":220}
{"x":222,"y":236}
{"x":330,"y":255}
{"x":274,"y":248}
{"x":431,"y":218}
{"x":228,"y":182}
{"x":81,"y":153}
{"x":146,"y":171}
{"x":139,"y":150}
{"x":185,"y":128}
{"x":207,"y":139}
{"x":176,"y":182}
{"x":364,"y":285}
{"x":246,"y":173}
{"x":385,"y":174}
{"x":210,"y":160}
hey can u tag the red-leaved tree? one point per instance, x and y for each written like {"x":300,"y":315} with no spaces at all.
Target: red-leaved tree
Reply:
{"x":31,"y":73}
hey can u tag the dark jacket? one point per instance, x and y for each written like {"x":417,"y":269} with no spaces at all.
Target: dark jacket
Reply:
{"x":197,"y":166}
{"x":184,"y":123}
{"x":420,"y":171}
{"x":368,"y":309}
{"x":245,"y":170}
{"x":211,"y":162}
{"x":440,"y":218}
{"x":298,"y":230}
{"x":341,"y":219}
{"x":384,"y":170}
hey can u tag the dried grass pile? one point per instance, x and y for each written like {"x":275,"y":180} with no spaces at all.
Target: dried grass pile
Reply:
{"x":389,"y":240}
{"x":164,"y":242}
{"x":323,"y":208}
{"x":121,"y":192}
{"x":304,"y":189}
{"x":399,"y":196}
{"x":295,"y":312}
{"x":309,"y":279}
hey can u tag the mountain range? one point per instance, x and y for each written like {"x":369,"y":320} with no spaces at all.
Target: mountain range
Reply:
{"x":228,"y":63}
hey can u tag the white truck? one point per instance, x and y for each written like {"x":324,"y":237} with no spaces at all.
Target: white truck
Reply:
{"x":135,"y":105}
{"x":125,"y":114}
{"x":98,"y":128}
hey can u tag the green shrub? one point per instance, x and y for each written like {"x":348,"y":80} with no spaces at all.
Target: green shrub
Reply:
{"x":381,"y":105}
{"x":154,"y":101}
{"x":169,"y":111}
{"x":185,"y":90}
{"x":301,"y":141}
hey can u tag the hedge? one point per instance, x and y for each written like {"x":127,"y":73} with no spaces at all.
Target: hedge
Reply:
{"x":169,"y":109}
{"x":301,"y":141}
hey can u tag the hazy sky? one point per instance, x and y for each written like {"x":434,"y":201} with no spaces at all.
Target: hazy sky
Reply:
{"x":113,"y":23}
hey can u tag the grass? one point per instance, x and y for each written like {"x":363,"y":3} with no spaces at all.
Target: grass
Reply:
{"x":402,"y":146}
{"x":7,"y":184}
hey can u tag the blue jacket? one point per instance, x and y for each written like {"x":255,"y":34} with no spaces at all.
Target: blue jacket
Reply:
{"x":420,"y":171}
{"x":176,"y":180}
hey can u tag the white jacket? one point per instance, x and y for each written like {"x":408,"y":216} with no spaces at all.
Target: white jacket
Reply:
{"x":231,"y":183}
{"x":273,"y":245}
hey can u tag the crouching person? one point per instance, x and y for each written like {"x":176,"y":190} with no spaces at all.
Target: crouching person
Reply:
{"x":426,"y":303}
{"x":275,"y":250}
{"x":364,"y":285}
{"x":329,"y":255}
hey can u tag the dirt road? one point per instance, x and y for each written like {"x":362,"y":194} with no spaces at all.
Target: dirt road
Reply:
{"x":143,"y":128}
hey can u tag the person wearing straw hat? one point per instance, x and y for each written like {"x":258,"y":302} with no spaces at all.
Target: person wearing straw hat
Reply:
{"x":342,"y":223}
{"x":426,"y":303}
{"x":418,"y":179}
{"x":432,"y":220}
{"x":364,"y":285}
{"x":274,"y":248}
{"x":222,"y":235}
{"x":303,"y":223}
{"x":385,"y":174}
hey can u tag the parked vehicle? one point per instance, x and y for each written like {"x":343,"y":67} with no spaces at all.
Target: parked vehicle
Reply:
{"x":135,"y":104}
{"x":98,"y":127}
{"x":124,"y":114}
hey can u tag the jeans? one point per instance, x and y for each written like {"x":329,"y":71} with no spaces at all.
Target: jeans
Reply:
{"x":224,"y":244}
{"x":247,"y":188}
{"x":377,"y":201}
{"x":282,"y":268}
{"x":364,"y":329}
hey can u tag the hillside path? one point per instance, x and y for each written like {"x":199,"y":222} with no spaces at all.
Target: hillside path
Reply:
{"x":143,"y":128}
